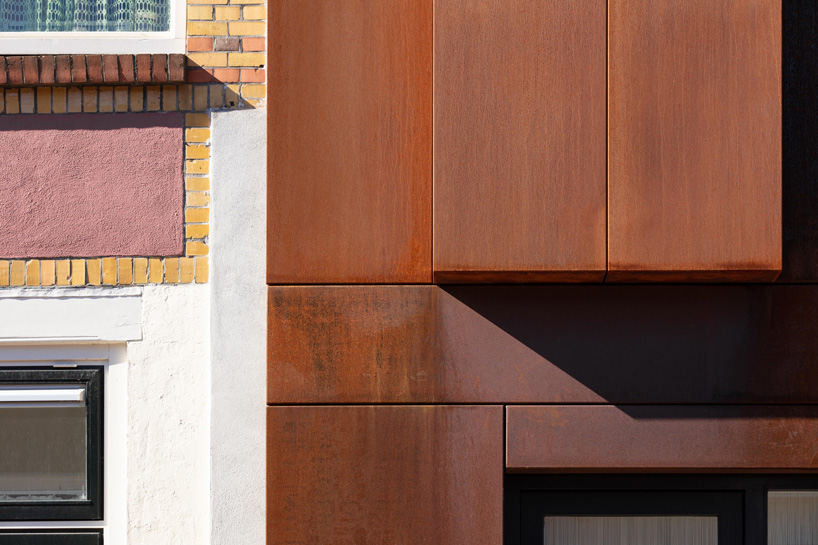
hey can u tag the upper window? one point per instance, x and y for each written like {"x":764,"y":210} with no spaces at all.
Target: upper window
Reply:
{"x":36,"y":27}
{"x":84,"y":15}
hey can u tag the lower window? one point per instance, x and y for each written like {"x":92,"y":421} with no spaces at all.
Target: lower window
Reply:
{"x":661,"y":509}
{"x":50,"y":444}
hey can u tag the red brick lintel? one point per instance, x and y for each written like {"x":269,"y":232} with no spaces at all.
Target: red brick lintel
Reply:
{"x":20,"y":70}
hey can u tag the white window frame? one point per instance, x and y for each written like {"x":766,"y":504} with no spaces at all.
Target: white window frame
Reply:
{"x":113,"y":358}
{"x":101,"y":43}
{"x":65,"y":327}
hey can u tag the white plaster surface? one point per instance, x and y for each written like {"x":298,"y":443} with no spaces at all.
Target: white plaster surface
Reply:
{"x":238,"y":345}
{"x":70,"y":315}
{"x":156,"y":397}
{"x":168,"y":419}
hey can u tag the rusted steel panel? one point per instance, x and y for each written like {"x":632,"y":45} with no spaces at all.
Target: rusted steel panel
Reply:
{"x":670,"y":437}
{"x":520,"y":141}
{"x":391,"y":475}
{"x":694,"y":140}
{"x":543,"y":344}
{"x":350,"y":142}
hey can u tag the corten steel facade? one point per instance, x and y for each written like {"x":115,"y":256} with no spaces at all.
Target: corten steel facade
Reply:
{"x":511,"y":247}
{"x":508,"y":238}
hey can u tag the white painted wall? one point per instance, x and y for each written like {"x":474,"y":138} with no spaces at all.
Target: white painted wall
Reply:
{"x":169,"y":419}
{"x":157,"y":407}
{"x":237,"y":276}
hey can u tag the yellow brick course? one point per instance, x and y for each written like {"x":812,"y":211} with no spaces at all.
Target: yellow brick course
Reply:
{"x":195,"y":247}
{"x":246,"y":59}
{"x":228,"y":13}
{"x":247,"y":28}
{"x":140,"y":270}
{"x":254,"y":12}
{"x":89,"y":99}
{"x":197,"y":198}
{"x":199,"y":230}
{"x":27,"y":101}
{"x":216,"y":96}
{"x":197,"y":120}
{"x":202,"y":28}
{"x":197,"y":135}
{"x":18,"y":273}
{"x":121,"y":99}
{"x":197,"y":215}
{"x":155,"y":271}
{"x":33,"y":273}
{"x":44,"y":100}
{"x":169,"y":98}
{"x":63,"y":272}
{"x":77,"y":272}
{"x":201,"y":12}
{"x":94,"y":271}
{"x":48,"y":272}
{"x":106,"y":99}
{"x":197,"y":167}
{"x":109,"y":271}
{"x":200,"y":97}
{"x":208,"y":59}
{"x":137,"y":98}
{"x":58,"y":97}
{"x":254,"y":91}
{"x":172,"y":270}
{"x":185,"y":97}
{"x":153,"y":98}
{"x":125,"y":271}
{"x":197,"y":152}
{"x":186,"y":270}
{"x":12,"y":101}
{"x":197,"y":184}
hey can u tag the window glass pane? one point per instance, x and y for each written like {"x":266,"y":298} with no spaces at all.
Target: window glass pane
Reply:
{"x":84,"y":15}
{"x":43,"y":452}
{"x":658,"y":530}
{"x":792,"y":517}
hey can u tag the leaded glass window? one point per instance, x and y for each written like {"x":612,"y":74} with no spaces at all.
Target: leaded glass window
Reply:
{"x":84,"y":15}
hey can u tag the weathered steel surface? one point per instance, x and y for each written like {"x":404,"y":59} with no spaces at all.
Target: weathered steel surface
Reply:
{"x":669,"y":437}
{"x":694,"y":140}
{"x":520,"y":141}
{"x":543,"y":344}
{"x":391,"y":475}
{"x":350,"y":141}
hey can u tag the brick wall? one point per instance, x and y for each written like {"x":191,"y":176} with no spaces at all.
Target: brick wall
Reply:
{"x":225,"y":69}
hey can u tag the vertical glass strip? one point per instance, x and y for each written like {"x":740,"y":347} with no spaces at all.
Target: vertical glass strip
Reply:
{"x":792,"y":517}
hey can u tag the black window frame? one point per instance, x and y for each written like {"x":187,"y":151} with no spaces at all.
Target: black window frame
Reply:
{"x":91,"y":377}
{"x":522,"y":489}
{"x":51,"y":537}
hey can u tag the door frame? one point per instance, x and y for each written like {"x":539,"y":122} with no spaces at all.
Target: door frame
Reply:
{"x":520,"y":488}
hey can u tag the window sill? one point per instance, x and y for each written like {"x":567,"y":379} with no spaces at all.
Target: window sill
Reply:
{"x":91,"y":43}
{"x":91,"y":69}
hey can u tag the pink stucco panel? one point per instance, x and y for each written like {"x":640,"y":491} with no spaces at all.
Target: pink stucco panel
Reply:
{"x":91,"y":185}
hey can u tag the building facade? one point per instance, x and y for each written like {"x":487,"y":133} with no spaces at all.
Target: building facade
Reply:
{"x":408,"y":271}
